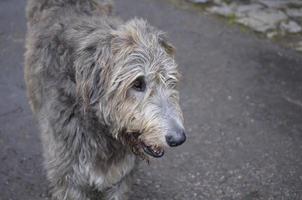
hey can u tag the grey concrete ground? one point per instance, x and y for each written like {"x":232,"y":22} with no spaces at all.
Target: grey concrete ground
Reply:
{"x":242,"y":100}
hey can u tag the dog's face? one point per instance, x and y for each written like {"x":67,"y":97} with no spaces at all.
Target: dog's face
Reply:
{"x":142,"y":96}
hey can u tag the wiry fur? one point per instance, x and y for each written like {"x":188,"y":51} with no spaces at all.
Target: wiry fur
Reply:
{"x":80,"y":65}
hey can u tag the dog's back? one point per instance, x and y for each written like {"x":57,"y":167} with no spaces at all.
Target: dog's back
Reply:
{"x":42,"y":10}
{"x":51,"y":29}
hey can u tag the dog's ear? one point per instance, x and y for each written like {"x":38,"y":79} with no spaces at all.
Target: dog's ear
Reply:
{"x":90,"y":62}
{"x":163,"y":41}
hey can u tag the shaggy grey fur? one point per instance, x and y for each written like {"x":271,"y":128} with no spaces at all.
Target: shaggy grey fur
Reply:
{"x":80,"y":69}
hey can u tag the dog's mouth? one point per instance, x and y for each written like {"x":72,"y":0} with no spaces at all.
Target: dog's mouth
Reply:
{"x":140,"y":148}
{"x":153,"y":150}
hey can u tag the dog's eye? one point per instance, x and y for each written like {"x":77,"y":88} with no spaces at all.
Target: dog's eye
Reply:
{"x":139,"y":84}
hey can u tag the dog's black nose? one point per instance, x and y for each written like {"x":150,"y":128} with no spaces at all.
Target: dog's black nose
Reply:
{"x":176,"y":138}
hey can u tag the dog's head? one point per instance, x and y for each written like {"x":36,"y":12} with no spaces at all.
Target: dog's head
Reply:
{"x":139,"y":99}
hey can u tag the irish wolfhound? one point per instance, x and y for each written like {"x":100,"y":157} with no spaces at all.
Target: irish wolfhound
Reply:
{"x":103,"y":92}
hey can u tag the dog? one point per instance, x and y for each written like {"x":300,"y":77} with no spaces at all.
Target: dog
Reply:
{"x":104,"y":94}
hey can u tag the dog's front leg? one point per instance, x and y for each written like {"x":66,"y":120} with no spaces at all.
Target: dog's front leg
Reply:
{"x":120,"y":191}
{"x":68,"y":192}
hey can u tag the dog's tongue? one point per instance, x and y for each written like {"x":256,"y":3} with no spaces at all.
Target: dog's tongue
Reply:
{"x":153,"y":151}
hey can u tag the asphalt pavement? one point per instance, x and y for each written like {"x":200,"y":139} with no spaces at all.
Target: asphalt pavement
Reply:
{"x":242,"y":101}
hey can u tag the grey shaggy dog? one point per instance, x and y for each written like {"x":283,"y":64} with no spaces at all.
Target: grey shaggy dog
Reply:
{"x":104,"y":93}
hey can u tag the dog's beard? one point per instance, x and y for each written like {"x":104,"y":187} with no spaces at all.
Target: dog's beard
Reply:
{"x":139,"y":147}
{"x":132,"y":141}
